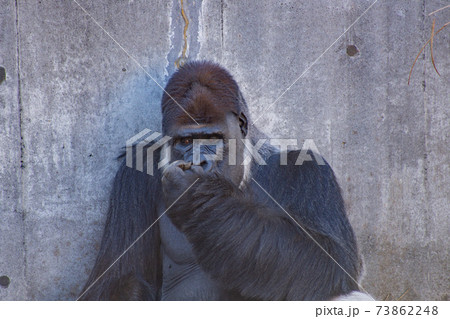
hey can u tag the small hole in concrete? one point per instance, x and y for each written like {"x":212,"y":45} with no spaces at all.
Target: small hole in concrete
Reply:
{"x":4,"y":281}
{"x":2,"y":74}
{"x":124,"y":69}
{"x":352,"y":50}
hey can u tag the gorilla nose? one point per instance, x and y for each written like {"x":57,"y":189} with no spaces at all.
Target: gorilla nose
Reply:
{"x":207,"y":165}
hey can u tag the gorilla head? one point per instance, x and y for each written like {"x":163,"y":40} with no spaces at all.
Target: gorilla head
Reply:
{"x":202,"y":101}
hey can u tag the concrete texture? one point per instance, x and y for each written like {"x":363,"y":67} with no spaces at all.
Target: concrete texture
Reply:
{"x":72,"y":97}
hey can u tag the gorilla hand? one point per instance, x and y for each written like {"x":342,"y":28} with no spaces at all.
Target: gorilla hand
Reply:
{"x":176,"y":179}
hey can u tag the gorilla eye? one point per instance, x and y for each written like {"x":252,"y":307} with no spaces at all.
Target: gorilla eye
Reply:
{"x":186,"y":140}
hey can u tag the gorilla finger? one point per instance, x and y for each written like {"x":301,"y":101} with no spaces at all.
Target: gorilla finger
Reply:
{"x":172,"y":172}
{"x":174,"y":164}
{"x":185,"y":166}
{"x":197,"y":169}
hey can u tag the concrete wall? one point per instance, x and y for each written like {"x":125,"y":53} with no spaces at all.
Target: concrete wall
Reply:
{"x":72,"y":97}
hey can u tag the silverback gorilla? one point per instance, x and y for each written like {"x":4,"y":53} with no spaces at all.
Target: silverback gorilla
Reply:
{"x":218,"y":231}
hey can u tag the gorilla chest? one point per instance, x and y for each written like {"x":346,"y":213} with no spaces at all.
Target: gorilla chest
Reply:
{"x":174,"y":243}
{"x":183,"y":278}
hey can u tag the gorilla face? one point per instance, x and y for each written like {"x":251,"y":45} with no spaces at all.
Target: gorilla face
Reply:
{"x":225,"y":135}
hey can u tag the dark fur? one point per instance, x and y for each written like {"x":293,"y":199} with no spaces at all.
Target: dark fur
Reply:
{"x":205,"y":90}
{"x":256,"y":248}
{"x":133,"y":208}
{"x":241,"y":238}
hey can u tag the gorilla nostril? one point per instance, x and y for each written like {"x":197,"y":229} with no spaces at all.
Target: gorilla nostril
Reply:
{"x":206,"y":165}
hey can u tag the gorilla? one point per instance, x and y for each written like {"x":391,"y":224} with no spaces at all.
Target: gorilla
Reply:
{"x":209,"y":229}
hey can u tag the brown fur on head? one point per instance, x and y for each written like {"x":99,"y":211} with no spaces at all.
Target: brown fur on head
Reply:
{"x":205,"y":90}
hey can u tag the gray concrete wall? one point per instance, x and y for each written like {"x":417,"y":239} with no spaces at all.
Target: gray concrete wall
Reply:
{"x":72,"y":97}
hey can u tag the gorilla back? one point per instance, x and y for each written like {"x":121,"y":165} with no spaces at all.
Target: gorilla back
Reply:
{"x":214,"y":229}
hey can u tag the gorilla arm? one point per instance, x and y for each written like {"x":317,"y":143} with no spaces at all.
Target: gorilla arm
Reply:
{"x":257,"y":250}
{"x":132,"y":209}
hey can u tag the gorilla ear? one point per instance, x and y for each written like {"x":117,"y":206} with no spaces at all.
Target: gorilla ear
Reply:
{"x":243,"y":124}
